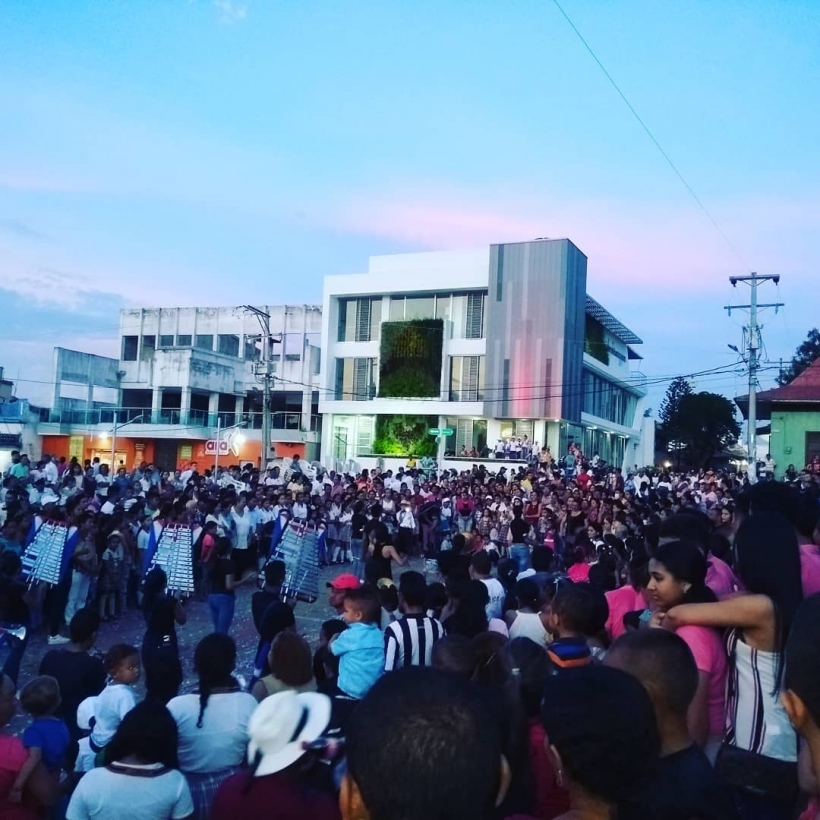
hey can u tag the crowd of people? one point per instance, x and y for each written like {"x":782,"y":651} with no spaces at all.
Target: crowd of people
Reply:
{"x":548,"y":640}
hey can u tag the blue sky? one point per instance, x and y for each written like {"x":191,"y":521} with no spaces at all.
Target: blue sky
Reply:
{"x":197,"y":152}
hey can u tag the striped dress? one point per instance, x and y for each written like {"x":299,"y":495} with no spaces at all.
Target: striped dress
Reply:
{"x":755,"y":718}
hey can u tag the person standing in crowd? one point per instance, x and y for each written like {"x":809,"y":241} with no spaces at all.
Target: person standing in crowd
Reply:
{"x":360,"y":648}
{"x":224,"y":580}
{"x":409,"y":641}
{"x":212,"y":723}
{"x":160,"y":647}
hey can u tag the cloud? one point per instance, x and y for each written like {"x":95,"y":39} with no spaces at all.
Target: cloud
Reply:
{"x":20,"y":229}
{"x":231,"y":11}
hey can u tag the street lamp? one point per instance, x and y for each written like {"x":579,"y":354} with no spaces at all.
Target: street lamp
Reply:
{"x":219,"y":431}
{"x":114,"y":437}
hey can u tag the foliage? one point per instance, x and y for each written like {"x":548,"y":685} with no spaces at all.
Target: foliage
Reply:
{"x":705,"y":425}
{"x":806,"y":354}
{"x":595,"y":340}
{"x":410,"y":359}
{"x":669,"y":411}
{"x":404,"y":435}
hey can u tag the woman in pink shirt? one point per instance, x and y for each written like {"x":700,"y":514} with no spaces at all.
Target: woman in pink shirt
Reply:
{"x":677,"y":575}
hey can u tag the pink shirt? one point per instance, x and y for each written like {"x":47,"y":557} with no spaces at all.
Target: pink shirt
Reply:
{"x":720,"y":578}
{"x":620,"y":601}
{"x":810,"y":568}
{"x":710,"y":658}
{"x":578,"y":573}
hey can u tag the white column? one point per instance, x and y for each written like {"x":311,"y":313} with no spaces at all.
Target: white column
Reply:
{"x":213,"y":409}
{"x":156,"y":404}
{"x":184,"y":405}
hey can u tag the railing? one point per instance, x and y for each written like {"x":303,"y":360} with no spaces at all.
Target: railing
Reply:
{"x":174,"y":417}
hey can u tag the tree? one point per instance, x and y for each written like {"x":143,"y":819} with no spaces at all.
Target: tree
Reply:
{"x":706,"y":424}
{"x":669,"y":410}
{"x":807,"y":353}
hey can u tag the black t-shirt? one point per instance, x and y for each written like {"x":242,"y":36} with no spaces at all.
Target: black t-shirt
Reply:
{"x":357,"y":524}
{"x":377,"y":532}
{"x":260,"y":601}
{"x":684,"y":787}
{"x":222,"y":568}
{"x":161,"y":620}
{"x":519,"y":529}
{"x":80,"y":676}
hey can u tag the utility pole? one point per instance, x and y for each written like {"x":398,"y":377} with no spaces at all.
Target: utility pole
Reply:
{"x":264,"y":371}
{"x":754,"y":342}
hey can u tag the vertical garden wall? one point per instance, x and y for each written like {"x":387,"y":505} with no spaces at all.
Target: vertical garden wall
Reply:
{"x":410,"y":359}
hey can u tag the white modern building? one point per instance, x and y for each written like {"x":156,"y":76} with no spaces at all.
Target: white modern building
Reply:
{"x":490,"y":343}
{"x":182,"y":373}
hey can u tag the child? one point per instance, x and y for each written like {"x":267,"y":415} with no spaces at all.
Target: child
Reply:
{"x":684,"y":784}
{"x":111,"y":570}
{"x":122,"y":662}
{"x":572,"y":609}
{"x":801,"y":697}
{"x":47,"y":738}
{"x":360,"y":648}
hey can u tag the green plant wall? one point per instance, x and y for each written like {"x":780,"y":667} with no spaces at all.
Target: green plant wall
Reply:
{"x":410,"y":359}
{"x":404,"y":435}
{"x":595,"y":340}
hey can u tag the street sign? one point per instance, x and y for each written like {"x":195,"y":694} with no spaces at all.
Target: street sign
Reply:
{"x":211,"y":445}
{"x":441,"y":431}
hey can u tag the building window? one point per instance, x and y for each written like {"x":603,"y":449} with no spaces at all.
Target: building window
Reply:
{"x":359,"y":319}
{"x":293,"y":357}
{"x":204,"y":342}
{"x":130,"y":345}
{"x":467,"y":378}
{"x":516,"y":428}
{"x":184,"y":340}
{"x":227,"y":344}
{"x":149,"y":345}
{"x":252,"y":351}
{"x":355,"y":379}
{"x":166,"y":340}
{"x":419,"y":307}
{"x":474,"y":318}
{"x":607,"y":400}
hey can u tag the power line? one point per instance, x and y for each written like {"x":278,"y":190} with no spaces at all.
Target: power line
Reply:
{"x":651,"y":136}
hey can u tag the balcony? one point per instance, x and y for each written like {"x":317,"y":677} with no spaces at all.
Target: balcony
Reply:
{"x":199,"y":423}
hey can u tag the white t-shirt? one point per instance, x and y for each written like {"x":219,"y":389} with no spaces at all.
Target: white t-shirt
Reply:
{"x":133,"y":792}
{"x":223,"y":739}
{"x":113,"y":704}
{"x":243,"y":525}
{"x":495,"y":609}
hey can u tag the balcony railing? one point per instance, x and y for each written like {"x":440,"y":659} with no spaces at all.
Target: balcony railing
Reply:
{"x":280,"y":420}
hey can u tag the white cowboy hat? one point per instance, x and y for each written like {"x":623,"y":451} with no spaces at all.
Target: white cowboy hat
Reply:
{"x":281,"y":724}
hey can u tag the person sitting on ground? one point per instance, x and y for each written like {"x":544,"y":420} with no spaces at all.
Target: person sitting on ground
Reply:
{"x":122,"y":662}
{"x":684,"y":784}
{"x":141,"y":779}
{"x":360,"y":648}
{"x":46,"y":738}
{"x":602,"y":738}
{"x":421,"y":726}
{"x":78,"y":674}
{"x":291,"y":667}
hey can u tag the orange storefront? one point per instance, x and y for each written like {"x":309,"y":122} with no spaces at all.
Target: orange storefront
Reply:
{"x":168,"y":454}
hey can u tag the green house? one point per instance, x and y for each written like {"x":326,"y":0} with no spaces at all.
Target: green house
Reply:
{"x":794,"y":412}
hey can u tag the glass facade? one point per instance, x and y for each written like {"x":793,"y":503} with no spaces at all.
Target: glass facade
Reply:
{"x":359,"y":319}
{"x":355,"y":379}
{"x":467,"y":378}
{"x":607,"y":400}
{"x":465,"y":311}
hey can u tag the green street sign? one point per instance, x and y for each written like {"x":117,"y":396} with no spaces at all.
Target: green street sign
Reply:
{"x":441,"y":431}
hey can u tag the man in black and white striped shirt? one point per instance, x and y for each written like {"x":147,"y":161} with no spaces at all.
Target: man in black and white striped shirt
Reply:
{"x":409,"y":641}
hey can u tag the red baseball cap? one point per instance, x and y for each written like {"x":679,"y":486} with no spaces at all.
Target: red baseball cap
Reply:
{"x":346,"y":580}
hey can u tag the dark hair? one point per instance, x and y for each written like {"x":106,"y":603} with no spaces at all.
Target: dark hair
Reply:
{"x":275,"y":573}
{"x":688,"y":525}
{"x":147,"y":732}
{"x":470,"y":618}
{"x":83,"y":625}
{"x":290,"y":659}
{"x":332,"y":627}
{"x":40,"y":696}
{"x":388,"y":597}
{"x":153,"y":589}
{"x":660,"y":660}
{"x":577,"y":608}
{"x":436,"y":597}
{"x":214,"y":662}
{"x":117,"y":654}
{"x":527,"y":594}
{"x":768,"y":563}
{"x":598,"y":615}
{"x":803,"y":656}
{"x":277,"y":617}
{"x":685,"y":562}
{"x":455,"y":654}
{"x":481,"y":563}
{"x":531,"y":667}
{"x":366,"y":601}
{"x":602,"y":723}
{"x":413,"y":588}
{"x":421,"y":726}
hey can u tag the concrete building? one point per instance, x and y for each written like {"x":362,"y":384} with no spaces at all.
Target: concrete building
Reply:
{"x":18,"y":424}
{"x":484,"y":344}
{"x":182,"y":373}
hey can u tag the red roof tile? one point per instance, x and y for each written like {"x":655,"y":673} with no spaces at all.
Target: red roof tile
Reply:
{"x":804,"y":388}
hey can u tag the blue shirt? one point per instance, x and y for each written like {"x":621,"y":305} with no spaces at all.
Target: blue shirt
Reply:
{"x":360,"y":649}
{"x":52,"y":737}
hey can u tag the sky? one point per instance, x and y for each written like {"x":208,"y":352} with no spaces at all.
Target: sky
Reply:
{"x":221,"y":152}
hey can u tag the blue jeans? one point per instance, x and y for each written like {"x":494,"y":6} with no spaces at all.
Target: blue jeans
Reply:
{"x":520,"y":553}
{"x":357,"y":551}
{"x":222,"y":607}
